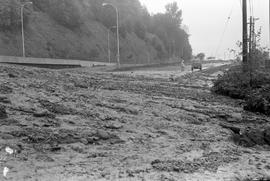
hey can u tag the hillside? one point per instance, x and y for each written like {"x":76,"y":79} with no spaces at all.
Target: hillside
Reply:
{"x":75,"y":29}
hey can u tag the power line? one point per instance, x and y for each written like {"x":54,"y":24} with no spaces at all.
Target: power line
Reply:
{"x":224,"y":30}
{"x":240,"y":3}
{"x":251,"y":7}
{"x":252,"y":2}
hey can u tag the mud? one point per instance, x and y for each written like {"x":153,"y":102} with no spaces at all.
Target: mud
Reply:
{"x":87,"y":124}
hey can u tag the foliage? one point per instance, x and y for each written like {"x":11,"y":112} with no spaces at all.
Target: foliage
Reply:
{"x":255,"y":91}
{"x":167,"y":27}
{"x":172,"y":10}
{"x":135,"y":18}
{"x":10,"y":15}
{"x":62,"y":11}
{"x":201,"y":56}
{"x":168,"y":38}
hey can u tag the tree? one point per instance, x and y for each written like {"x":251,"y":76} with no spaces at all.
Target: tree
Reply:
{"x":175,"y":14}
{"x":201,"y":56}
{"x":62,"y":11}
{"x":9,"y":14}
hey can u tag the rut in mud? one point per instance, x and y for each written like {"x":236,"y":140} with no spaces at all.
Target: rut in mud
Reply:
{"x":82,"y":124}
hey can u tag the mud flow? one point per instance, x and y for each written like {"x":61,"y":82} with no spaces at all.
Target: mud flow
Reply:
{"x":156,"y":124}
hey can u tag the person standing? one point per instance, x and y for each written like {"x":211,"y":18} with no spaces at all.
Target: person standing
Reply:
{"x":182,"y":65}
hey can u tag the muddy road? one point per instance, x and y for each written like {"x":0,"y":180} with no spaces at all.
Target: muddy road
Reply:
{"x":91,"y":124}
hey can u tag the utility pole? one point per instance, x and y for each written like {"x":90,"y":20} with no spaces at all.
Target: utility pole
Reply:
{"x":251,"y":36}
{"x":245,"y":39}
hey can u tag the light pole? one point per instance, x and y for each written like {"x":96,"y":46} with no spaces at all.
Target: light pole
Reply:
{"x":117,"y":26}
{"x":109,"y":50}
{"x":22,"y":6}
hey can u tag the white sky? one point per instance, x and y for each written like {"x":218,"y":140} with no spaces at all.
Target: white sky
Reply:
{"x":206,"y":21}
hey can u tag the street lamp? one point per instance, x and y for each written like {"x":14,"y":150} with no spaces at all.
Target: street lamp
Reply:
{"x":22,"y":6}
{"x":109,"y":50}
{"x":117,"y":26}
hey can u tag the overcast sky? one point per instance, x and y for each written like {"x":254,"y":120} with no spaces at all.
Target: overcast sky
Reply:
{"x":206,"y":20}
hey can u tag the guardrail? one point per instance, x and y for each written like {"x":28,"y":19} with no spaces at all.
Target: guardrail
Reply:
{"x":51,"y":63}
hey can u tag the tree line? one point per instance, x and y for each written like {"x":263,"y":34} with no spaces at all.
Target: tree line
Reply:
{"x":162,"y":31}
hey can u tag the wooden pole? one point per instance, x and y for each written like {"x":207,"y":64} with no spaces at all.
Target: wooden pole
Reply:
{"x":245,"y":39}
{"x":250,"y":37}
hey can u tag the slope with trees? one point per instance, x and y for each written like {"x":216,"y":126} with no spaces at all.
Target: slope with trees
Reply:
{"x":78,"y":30}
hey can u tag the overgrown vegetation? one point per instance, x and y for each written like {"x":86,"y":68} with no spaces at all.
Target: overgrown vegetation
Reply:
{"x":253,"y":87}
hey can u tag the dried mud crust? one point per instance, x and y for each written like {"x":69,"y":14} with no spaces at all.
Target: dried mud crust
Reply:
{"x":80,"y":124}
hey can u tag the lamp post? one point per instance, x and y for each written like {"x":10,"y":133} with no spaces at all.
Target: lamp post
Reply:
{"x":109,"y":50}
{"x":117,"y":26}
{"x":22,"y":7}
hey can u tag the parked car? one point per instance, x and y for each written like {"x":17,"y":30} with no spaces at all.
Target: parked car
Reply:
{"x":196,"y":64}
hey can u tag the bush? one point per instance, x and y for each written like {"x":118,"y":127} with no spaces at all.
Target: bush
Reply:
{"x":259,"y":100}
{"x":233,"y":83}
{"x":254,"y":88}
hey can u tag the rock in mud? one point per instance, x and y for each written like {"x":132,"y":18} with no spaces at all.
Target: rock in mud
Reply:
{"x":4,"y":89}
{"x":44,"y":114}
{"x":252,"y":137}
{"x":113,"y":126}
{"x":256,"y":136}
{"x":4,"y":100}
{"x":3,"y":113}
{"x":12,"y":75}
{"x":57,"y":108}
{"x":81,"y":85}
{"x":103,"y":135}
{"x":44,"y":158}
{"x":9,"y":122}
{"x":266,"y":134}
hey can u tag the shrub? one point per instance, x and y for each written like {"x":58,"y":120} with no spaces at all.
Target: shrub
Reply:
{"x":254,"y":88}
{"x":233,"y":83}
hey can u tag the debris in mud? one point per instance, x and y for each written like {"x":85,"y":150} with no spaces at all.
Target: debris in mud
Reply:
{"x":210,"y":162}
{"x":82,"y":85}
{"x":9,"y":122}
{"x":44,"y":158}
{"x":3,"y":113}
{"x":113,"y":126}
{"x":249,"y":137}
{"x":98,"y":154}
{"x":57,"y":108}
{"x":44,"y":114}
{"x":4,"y":100}
{"x":12,"y":75}
{"x":64,"y":136}
{"x":261,"y":178}
{"x":50,"y":122}
{"x":176,"y":166}
{"x":127,"y":110}
{"x":266,"y":134}
{"x":4,"y":89}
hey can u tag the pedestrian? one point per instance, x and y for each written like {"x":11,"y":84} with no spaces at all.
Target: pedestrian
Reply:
{"x":182,"y":65}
